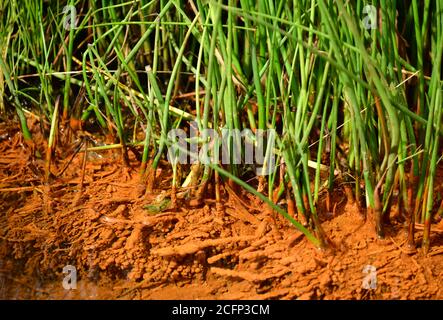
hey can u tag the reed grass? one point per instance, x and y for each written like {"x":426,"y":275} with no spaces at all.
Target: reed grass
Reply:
{"x":366,"y":104}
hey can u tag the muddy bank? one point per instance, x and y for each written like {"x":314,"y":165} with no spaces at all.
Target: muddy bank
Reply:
{"x":121,"y":249}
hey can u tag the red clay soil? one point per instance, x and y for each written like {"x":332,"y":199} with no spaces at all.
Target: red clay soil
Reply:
{"x":240,"y":251}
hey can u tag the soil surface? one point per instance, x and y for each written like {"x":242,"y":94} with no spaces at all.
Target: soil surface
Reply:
{"x":237,"y":250}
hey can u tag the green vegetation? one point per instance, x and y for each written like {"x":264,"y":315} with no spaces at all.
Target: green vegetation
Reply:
{"x":349,"y":104}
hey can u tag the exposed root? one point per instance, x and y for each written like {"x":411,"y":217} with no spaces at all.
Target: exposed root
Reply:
{"x":194,"y":247}
{"x":242,"y":214}
{"x":246,"y":275}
